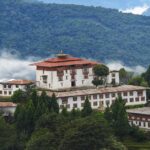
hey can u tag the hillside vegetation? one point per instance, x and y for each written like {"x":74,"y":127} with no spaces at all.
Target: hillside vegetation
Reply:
{"x":36,"y":29}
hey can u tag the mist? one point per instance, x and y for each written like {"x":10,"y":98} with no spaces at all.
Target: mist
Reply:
{"x":117,"y":65}
{"x":12,"y":67}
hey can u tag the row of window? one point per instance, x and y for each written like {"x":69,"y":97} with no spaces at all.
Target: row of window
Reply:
{"x":9,"y":86}
{"x":5,"y":92}
{"x":95,"y":103}
{"x":75,"y":105}
{"x":107,"y":95}
{"x":140,"y":123}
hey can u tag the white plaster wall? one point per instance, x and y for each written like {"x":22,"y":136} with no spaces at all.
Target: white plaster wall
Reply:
{"x":8,"y":110}
{"x":12,"y":89}
{"x":54,"y":83}
{"x":104,"y":100}
{"x":110,"y":77}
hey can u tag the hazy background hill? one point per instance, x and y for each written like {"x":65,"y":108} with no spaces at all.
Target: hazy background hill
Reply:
{"x":36,"y":29}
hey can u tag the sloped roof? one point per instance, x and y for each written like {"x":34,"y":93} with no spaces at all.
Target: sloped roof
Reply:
{"x":64,"y":60}
{"x":7,"y":104}
{"x":122,"y":88}
{"x":19,"y":82}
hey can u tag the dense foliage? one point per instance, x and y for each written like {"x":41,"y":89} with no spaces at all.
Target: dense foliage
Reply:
{"x":44,"y":29}
{"x":39,"y":124}
{"x":101,"y":72}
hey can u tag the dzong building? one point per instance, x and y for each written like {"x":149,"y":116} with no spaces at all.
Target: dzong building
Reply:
{"x":70,"y":78}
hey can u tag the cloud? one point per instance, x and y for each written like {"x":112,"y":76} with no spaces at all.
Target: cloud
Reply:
{"x":116,"y":65}
{"x":14,"y":68}
{"x":138,"y":10}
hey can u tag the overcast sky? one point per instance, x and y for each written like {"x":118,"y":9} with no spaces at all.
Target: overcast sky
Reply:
{"x":127,"y":6}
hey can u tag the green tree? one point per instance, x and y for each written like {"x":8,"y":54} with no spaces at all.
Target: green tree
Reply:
{"x":146,"y":76}
{"x":90,"y":133}
{"x":24,"y":118}
{"x":8,"y":138}
{"x":101,"y":71}
{"x":138,"y":80}
{"x":108,"y":114}
{"x":87,"y":109}
{"x":97,"y":82}
{"x":119,"y":117}
{"x":48,"y":120}
{"x":34,"y":98}
{"x":42,"y":139}
{"x":19,"y":96}
{"x":54,"y":104}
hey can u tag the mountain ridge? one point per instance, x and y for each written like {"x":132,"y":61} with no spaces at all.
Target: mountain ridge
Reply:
{"x":36,"y":29}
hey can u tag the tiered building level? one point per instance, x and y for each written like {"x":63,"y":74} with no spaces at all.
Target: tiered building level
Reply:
{"x":71,"y":79}
{"x":66,"y":71}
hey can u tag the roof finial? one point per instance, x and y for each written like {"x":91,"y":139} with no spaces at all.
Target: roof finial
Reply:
{"x":61,"y":52}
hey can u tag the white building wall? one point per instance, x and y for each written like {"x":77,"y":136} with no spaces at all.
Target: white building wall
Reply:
{"x":103,"y":100}
{"x":113,"y":75}
{"x":8,"y":91}
{"x":54,"y":83}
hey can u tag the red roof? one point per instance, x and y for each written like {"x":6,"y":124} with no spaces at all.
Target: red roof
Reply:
{"x":64,"y":60}
{"x":7,"y":104}
{"x":20,"y":82}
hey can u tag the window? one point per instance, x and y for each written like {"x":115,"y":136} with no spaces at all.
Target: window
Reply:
{"x":64,"y":100}
{"x":17,"y":86}
{"x":85,"y":70}
{"x":95,"y":103}
{"x":44,"y":79}
{"x":94,"y":96}
{"x":82,"y":104}
{"x":144,"y":124}
{"x":148,"y":124}
{"x":137,"y":99}
{"x":74,"y":105}
{"x":107,"y":95}
{"x":101,"y":96}
{"x":5,"y":92}
{"x":9,"y":92}
{"x":125,"y":94}
{"x":82,"y":98}
{"x":60,"y":73}
{"x":66,"y":77}
{"x":140,"y":93}
{"x":5,"y":86}
{"x":60,"y":78}
{"x":113,"y":75}
{"x":9,"y":86}
{"x":131,"y":99}
{"x":131,"y":93}
{"x":142,"y":98}
{"x":85,"y":76}
{"x":113,"y":94}
{"x":0,"y":92}
{"x":74,"y":98}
